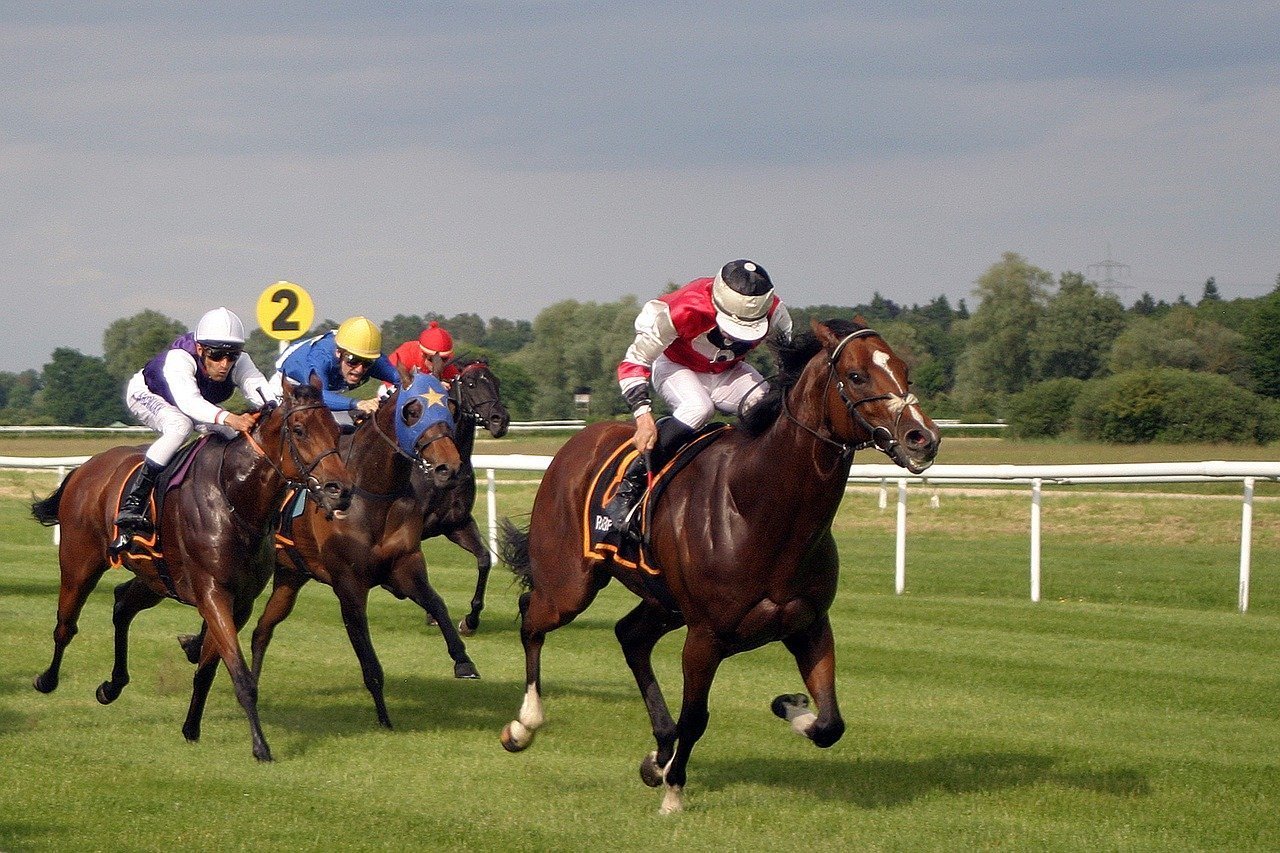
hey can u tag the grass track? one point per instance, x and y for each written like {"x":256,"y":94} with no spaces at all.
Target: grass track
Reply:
{"x":1131,"y":709}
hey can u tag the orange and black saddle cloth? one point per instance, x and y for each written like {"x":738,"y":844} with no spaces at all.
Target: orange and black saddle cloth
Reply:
{"x":599,"y":540}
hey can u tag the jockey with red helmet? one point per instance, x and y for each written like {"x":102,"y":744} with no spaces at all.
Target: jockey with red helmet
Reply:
{"x":691,"y":345}
{"x":417,"y":356}
{"x":179,"y":390}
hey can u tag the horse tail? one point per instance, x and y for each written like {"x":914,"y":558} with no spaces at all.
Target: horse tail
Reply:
{"x":46,"y":511}
{"x":513,"y":549}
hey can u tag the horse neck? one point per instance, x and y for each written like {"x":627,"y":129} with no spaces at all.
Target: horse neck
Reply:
{"x":250,"y":478}
{"x":818,"y":469}
{"x":464,"y":435}
{"x":375,"y":464}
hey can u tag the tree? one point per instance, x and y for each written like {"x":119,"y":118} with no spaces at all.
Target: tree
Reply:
{"x":1180,"y":339}
{"x":998,"y":357}
{"x":1075,"y":335}
{"x":1145,"y":306}
{"x":130,"y":343}
{"x":79,"y":391}
{"x":1210,"y":292}
{"x":1261,"y":344}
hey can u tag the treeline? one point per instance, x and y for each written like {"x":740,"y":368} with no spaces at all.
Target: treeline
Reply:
{"x":1049,"y":356}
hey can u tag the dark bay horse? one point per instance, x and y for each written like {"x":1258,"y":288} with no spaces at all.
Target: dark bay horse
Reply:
{"x":476,"y":401}
{"x":210,"y":531}
{"x":743,"y":537}
{"x":400,"y":459}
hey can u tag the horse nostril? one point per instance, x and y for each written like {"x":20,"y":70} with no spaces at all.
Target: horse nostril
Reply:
{"x":918,"y":439}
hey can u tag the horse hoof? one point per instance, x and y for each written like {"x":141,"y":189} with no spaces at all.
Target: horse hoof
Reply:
{"x":465,"y":669}
{"x":509,"y":742}
{"x":789,"y":702}
{"x":465,"y":628}
{"x":189,"y":647}
{"x":107,"y":693}
{"x":650,"y":773}
{"x":44,"y":683}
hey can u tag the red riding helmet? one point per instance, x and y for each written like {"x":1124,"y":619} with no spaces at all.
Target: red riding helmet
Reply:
{"x":436,"y":341}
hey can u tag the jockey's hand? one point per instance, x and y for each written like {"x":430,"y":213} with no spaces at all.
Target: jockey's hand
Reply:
{"x":240,"y":423}
{"x":646,"y":432}
{"x":367,"y":406}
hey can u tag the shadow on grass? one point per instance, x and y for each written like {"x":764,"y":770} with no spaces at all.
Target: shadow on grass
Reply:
{"x":887,"y":783}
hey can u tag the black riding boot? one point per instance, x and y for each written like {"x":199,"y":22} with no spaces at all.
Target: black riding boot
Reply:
{"x":672,"y":434}
{"x":133,"y":509}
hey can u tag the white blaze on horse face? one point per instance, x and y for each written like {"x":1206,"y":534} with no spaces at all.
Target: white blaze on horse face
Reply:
{"x":902,"y":400}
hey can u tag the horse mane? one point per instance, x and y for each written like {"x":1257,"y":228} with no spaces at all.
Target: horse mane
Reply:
{"x":792,"y":357}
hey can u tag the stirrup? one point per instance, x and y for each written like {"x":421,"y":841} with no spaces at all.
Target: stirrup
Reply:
{"x":120,"y":544}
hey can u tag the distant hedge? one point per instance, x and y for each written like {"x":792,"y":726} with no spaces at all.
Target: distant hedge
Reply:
{"x":1157,"y":404}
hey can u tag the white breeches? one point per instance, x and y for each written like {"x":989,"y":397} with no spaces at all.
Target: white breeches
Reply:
{"x":156,"y":412}
{"x":694,"y":397}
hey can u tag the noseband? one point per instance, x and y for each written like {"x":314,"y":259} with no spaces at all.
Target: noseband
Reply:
{"x":417,"y":459}
{"x":882,"y":438}
{"x":471,"y":410}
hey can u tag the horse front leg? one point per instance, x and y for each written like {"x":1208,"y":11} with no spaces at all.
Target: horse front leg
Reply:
{"x":815,"y":653}
{"x":131,"y":598}
{"x":409,"y":578}
{"x":700,"y":661}
{"x":638,"y":632}
{"x":469,"y":538}
{"x":353,"y":600}
{"x":284,"y":594}
{"x":223,"y":623}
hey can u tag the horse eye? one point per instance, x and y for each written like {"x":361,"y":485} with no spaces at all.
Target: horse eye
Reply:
{"x":298,"y":430}
{"x":854,"y":376}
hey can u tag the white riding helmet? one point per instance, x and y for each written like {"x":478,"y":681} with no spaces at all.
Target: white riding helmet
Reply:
{"x":220,"y":328}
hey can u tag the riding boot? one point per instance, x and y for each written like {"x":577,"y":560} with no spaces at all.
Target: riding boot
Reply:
{"x":672,"y":434}
{"x":133,"y":509}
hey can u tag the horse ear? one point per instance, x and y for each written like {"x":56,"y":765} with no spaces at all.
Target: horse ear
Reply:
{"x":822,"y":333}
{"x":406,"y":375}
{"x":316,"y":382}
{"x":861,"y":321}
{"x":437,"y":365}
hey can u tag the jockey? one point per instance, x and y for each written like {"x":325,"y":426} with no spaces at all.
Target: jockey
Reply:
{"x":691,"y":344}
{"x":179,"y":390}
{"x":416,"y":356}
{"x":344,"y":359}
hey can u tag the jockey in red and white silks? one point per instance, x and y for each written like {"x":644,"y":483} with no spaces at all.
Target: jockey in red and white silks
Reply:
{"x":694,"y":353}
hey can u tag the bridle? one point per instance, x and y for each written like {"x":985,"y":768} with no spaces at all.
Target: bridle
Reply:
{"x":417,"y":459}
{"x":304,"y":480}
{"x":881,"y":438}
{"x":478,"y":412}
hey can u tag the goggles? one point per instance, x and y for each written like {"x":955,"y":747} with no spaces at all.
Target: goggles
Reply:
{"x":222,"y":354}
{"x":353,"y":360}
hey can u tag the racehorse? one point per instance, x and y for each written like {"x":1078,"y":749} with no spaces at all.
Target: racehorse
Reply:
{"x":209,"y":532}
{"x":742,"y":536}
{"x":474,"y":397}
{"x":400,"y":458}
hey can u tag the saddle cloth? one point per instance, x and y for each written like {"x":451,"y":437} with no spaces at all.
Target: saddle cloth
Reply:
{"x":600,"y":540}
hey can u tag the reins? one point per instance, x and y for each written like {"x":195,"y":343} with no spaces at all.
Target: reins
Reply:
{"x":311,"y":484}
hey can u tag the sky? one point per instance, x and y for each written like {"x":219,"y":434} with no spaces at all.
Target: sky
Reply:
{"x":497,"y":158}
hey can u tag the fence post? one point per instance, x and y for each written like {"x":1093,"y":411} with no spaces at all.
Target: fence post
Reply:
{"x":900,"y":556}
{"x":1246,"y":543}
{"x":1035,"y":539}
{"x":493,"y":514}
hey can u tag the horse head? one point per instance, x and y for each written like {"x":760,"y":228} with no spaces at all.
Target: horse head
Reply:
{"x":476,"y":396}
{"x":424,"y":428}
{"x":300,"y":437}
{"x":869,"y":399}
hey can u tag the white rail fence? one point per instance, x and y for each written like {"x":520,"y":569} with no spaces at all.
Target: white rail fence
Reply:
{"x":1035,"y":476}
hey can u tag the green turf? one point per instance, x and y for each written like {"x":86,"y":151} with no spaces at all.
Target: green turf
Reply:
{"x":1131,"y":709}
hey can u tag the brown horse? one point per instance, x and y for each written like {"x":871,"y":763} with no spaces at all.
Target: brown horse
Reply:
{"x":210,"y":529}
{"x":474,"y":397}
{"x":742,"y":536}
{"x":401,"y":458}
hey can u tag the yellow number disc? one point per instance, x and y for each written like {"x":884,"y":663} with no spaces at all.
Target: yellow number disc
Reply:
{"x":285,"y":311}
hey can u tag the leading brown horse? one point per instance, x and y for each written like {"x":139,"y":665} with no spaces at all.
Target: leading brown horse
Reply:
{"x":210,"y":530}
{"x":742,"y":536}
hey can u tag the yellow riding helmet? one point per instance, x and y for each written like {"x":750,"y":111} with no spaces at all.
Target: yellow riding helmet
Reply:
{"x":359,"y":336}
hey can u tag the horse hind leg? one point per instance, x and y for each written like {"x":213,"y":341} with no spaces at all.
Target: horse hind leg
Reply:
{"x":79,"y":577}
{"x":131,"y":598}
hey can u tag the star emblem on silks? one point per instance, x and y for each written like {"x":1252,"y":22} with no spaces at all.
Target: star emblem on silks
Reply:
{"x":433,"y":397}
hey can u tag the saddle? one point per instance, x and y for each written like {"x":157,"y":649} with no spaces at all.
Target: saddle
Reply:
{"x":601,"y":541}
{"x":148,"y":547}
